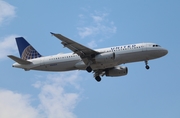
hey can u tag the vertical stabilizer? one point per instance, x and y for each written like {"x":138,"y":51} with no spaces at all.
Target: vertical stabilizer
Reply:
{"x":26,"y":51}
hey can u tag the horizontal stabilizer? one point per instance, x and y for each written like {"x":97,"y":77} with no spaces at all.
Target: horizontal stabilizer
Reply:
{"x":19,"y":60}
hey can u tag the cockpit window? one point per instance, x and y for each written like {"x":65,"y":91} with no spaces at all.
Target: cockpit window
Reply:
{"x":156,"y":46}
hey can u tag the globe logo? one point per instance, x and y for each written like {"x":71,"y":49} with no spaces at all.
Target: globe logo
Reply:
{"x":30,"y":53}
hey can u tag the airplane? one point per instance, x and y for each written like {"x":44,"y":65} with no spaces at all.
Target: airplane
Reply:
{"x":105,"y":61}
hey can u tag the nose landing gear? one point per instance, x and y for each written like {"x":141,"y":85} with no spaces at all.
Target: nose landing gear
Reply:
{"x":147,"y":67}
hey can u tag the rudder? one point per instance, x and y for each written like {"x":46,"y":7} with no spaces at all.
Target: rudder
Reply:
{"x":26,"y":51}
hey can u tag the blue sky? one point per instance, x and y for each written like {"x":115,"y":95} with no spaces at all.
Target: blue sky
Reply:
{"x":142,"y":93}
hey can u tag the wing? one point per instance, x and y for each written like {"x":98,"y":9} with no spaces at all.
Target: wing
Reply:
{"x":84,"y":52}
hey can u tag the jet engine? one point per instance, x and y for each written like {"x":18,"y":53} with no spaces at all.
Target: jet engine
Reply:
{"x":117,"y":71}
{"x":105,"y":57}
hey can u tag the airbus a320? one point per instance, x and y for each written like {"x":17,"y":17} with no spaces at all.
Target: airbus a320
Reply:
{"x":102,"y":62}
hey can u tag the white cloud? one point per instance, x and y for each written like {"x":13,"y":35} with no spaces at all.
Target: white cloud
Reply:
{"x":55,"y":100}
{"x":59,"y":95}
{"x":7,"y":46}
{"x":95,"y":24}
{"x":92,"y":44}
{"x":87,"y":31}
{"x":7,"y":11}
{"x":15,"y":105}
{"x":99,"y":17}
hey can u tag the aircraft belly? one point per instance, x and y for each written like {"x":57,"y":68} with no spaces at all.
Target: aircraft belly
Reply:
{"x":123,"y":57}
{"x":104,"y":65}
{"x":137,"y":56}
{"x":131,"y":57}
{"x":58,"y":66}
{"x":63,"y":66}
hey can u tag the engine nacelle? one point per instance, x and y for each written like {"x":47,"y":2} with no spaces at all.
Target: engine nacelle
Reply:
{"x":117,"y":71}
{"x":105,"y":57}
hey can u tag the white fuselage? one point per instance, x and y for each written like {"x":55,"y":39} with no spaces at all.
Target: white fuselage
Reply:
{"x":71,"y":61}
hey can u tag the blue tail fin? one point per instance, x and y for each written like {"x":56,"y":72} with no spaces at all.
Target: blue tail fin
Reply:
{"x":26,"y":51}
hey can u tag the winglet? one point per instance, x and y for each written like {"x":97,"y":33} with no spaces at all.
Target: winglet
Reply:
{"x":19,"y":60}
{"x":52,"y":33}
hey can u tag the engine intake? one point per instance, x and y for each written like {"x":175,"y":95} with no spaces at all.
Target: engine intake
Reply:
{"x":117,"y":71}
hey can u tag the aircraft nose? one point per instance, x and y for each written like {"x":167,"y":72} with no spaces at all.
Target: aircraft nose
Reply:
{"x":165,"y":51}
{"x":159,"y":52}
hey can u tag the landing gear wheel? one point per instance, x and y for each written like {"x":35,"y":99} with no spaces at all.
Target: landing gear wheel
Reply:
{"x":98,"y":78}
{"x":89,"y":69}
{"x":147,"y":67}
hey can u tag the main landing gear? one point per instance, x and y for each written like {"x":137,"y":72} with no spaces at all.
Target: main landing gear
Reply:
{"x":89,"y":69}
{"x":98,"y":78}
{"x":96,"y":75}
{"x":147,"y":67}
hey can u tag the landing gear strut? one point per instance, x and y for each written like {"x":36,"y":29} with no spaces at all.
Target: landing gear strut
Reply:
{"x":147,"y":67}
{"x":98,"y":78}
{"x":89,"y":69}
